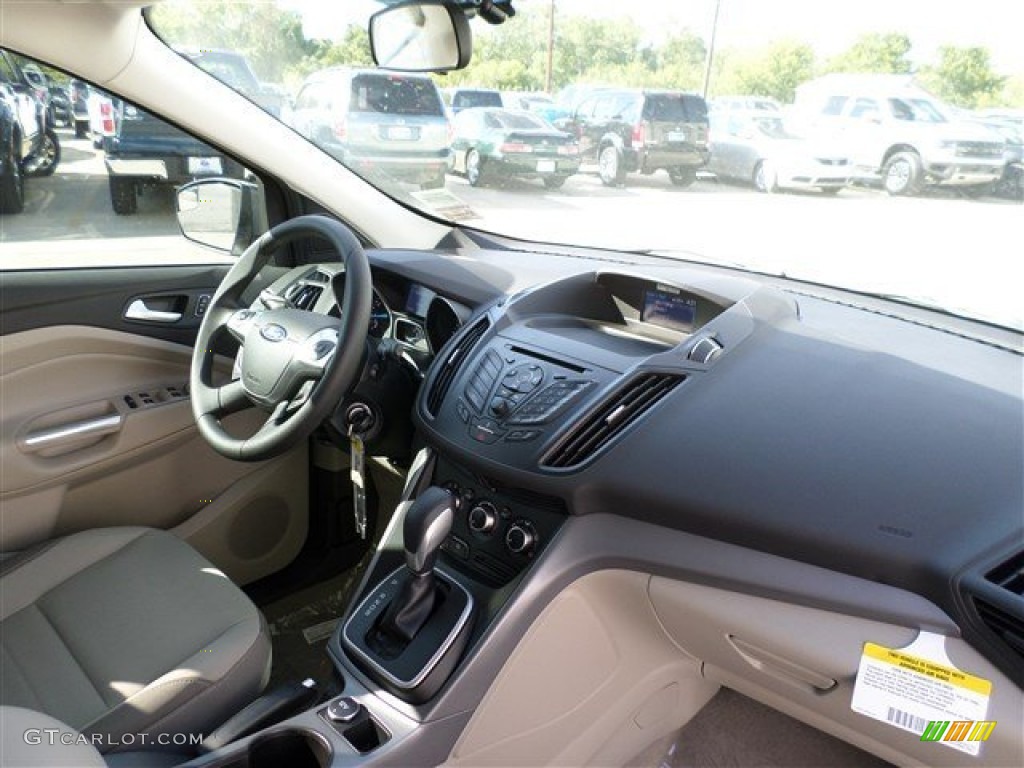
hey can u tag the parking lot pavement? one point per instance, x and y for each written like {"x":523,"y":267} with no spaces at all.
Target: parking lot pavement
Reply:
{"x":68,"y":219}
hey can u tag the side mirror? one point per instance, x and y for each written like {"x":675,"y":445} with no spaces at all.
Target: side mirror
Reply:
{"x":421,"y":36}
{"x":226,"y":214}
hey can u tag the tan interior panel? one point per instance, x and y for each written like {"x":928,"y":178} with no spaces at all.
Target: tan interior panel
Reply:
{"x":787,"y":657}
{"x":258,"y":525}
{"x":98,"y":431}
{"x":595,"y":681}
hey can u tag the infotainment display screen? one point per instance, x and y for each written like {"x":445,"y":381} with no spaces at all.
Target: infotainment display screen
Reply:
{"x":669,"y":310}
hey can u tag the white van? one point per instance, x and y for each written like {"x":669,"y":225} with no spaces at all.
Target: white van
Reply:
{"x":898,"y":133}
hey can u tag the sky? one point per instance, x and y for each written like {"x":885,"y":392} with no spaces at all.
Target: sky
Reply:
{"x":829,"y":26}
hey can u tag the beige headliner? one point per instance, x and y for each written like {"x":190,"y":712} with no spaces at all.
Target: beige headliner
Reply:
{"x":109,"y":44}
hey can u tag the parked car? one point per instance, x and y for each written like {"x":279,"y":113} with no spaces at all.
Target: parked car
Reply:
{"x":233,"y":68}
{"x":628,"y":131}
{"x":12,"y":184}
{"x":898,"y":134}
{"x":755,"y":147}
{"x":493,"y":480}
{"x":78,"y":95}
{"x":1010,"y":127}
{"x":60,"y":102}
{"x":147,"y":151}
{"x":744,"y":103}
{"x":28,"y":144}
{"x":378,"y":123}
{"x":489,"y":144}
{"x":527,"y":100}
{"x":467,"y":98}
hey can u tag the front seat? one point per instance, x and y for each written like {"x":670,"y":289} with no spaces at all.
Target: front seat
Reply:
{"x":127,"y":631}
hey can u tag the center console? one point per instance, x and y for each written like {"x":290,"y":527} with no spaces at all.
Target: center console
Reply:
{"x":468,"y":560}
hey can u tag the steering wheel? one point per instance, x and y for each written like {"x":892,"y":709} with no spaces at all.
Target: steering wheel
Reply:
{"x":295,"y":364}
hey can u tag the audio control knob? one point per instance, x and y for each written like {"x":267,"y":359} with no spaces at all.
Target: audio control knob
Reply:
{"x":483,"y":518}
{"x":521,"y":537}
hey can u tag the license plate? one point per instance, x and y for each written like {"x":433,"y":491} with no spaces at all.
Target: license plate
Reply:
{"x":400,"y":133}
{"x":677,"y":136}
{"x":198,"y":166}
{"x":546,"y":166}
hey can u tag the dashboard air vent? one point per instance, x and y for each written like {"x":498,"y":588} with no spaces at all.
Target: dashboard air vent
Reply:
{"x":1007,"y":619}
{"x":1009,"y":575}
{"x":1009,"y":628}
{"x":456,"y":358}
{"x":305,"y":293}
{"x":613,"y":416}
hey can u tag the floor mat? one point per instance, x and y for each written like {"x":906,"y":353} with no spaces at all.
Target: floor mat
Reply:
{"x":733,"y":730}
{"x":302,"y":623}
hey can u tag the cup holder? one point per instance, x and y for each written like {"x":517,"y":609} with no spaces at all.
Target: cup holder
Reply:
{"x":292,"y":747}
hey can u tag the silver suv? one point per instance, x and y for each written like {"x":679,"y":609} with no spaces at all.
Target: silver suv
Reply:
{"x":898,"y":133}
{"x":380,"y":124}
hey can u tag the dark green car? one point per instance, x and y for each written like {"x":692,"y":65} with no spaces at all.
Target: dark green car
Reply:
{"x":490,"y":144}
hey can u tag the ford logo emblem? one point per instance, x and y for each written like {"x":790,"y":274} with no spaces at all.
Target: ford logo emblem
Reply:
{"x":273,"y":332}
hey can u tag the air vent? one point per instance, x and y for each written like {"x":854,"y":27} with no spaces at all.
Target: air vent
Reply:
{"x":1009,"y":575}
{"x":456,"y":358}
{"x":611,"y":418}
{"x":1004,"y":613}
{"x":1008,"y":627}
{"x":305,"y":293}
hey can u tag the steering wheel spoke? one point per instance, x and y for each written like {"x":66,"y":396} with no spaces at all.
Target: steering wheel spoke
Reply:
{"x":221,"y":401}
{"x":240,"y":322}
{"x":297,"y":364}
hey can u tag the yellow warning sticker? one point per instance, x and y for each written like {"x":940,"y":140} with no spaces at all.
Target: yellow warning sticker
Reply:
{"x":912,"y":688}
{"x":950,"y":675}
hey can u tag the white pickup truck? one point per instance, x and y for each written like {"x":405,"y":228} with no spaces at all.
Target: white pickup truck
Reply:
{"x":899,"y":134}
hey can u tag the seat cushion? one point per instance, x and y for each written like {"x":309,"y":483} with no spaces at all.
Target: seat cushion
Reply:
{"x":127,"y":631}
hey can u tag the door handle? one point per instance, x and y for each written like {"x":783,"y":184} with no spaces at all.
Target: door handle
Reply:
{"x":138,"y":310}
{"x":66,"y":434}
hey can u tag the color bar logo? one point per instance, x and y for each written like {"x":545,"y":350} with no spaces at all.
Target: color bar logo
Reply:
{"x":958,"y":730}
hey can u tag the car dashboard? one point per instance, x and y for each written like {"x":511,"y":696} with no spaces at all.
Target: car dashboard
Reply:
{"x":791,"y":445}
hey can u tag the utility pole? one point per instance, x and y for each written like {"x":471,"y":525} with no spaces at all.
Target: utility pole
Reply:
{"x":711,"y":49}
{"x":551,"y":47}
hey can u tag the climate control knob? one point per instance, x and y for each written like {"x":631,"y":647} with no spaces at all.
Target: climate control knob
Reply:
{"x":521,"y":537}
{"x":483,"y":518}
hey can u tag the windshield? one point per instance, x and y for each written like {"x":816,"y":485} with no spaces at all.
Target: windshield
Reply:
{"x":920,"y":110}
{"x":904,"y":190}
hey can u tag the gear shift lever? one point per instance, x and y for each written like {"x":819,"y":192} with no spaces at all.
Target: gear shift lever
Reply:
{"x":426,"y":525}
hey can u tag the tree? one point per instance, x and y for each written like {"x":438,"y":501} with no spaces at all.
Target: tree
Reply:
{"x":268,"y":36}
{"x":776,"y":71}
{"x":352,"y":50}
{"x":875,"y":52}
{"x":964,"y":76}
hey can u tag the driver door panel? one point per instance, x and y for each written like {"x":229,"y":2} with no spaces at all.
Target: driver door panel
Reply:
{"x":98,"y":428}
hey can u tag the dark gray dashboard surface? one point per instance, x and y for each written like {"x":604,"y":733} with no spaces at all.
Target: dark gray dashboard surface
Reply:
{"x":870,"y":439}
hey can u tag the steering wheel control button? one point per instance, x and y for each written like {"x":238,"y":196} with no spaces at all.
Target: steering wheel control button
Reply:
{"x":486,"y":431}
{"x":343,"y":710}
{"x":323,"y":349}
{"x":483,"y":518}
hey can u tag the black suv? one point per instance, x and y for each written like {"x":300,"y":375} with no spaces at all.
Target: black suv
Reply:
{"x":624,"y":131}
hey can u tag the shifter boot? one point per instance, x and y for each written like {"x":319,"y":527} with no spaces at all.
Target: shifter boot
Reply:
{"x":412,"y":607}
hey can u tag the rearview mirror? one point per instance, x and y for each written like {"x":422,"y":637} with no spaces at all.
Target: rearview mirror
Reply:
{"x":226,"y":214}
{"x":421,"y":36}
